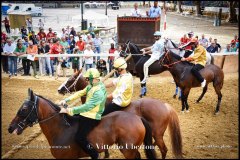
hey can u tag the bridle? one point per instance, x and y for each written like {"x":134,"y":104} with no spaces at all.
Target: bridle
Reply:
{"x":73,"y":85}
{"x":34,"y":109}
{"x":31,"y":114}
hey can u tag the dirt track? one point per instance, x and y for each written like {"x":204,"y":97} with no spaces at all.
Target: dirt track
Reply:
{"x":204,"y":135}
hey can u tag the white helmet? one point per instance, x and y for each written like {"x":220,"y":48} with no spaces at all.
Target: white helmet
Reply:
{"x":157,"y":33}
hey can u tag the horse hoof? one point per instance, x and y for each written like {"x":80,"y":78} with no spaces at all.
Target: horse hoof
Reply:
{"x":174,"y":96}
{"x":216,"y":113}
{"x":197,"y":101}
{"x":187,"y":111}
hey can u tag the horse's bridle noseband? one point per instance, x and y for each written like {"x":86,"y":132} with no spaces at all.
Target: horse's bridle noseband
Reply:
{"x":73,"y":85}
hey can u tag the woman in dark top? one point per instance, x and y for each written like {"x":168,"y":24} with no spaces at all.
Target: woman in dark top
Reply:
{"x":44,"y":62}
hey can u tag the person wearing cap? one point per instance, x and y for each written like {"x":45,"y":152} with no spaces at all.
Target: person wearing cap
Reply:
{"x":122,"y":95}
{"x":199,"y":59}
{"x":156,"y":49}
{"x":90,"y":113}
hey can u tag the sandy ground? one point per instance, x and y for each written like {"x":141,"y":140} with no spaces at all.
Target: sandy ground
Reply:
{"x":204,"y":135}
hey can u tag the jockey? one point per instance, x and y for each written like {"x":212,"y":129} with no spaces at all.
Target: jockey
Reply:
{"x":91,"y":111}
{"x":122,"y":95}
{"x":199,"y":59}
{"x":156,"y":49}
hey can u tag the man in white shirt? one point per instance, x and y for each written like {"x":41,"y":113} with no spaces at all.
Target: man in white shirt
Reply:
{"x":8,"y":49}
{"x":203,"y":41}
{"x":136,"y":12}
{"x":88,"y":59}
{"x":156,"y":50}
{"x":40,"y":24}
{"x":97,"y":42}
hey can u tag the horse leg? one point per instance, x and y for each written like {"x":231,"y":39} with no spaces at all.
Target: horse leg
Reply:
{"x":160,"y":143}
{"x":186,"y":93}
{"x":106,"y":154}
{"x":183,"y":104}
{"x":218,"y":91}
{"x":130,"y":153}
{"x":203,"y":93}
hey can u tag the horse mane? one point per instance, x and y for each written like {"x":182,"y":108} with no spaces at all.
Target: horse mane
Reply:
{"x":70,"y":119}
{"x":174,"y":45}
{"x":175,"y":55}
{"x":135,"y":47}
{"x":51,"y":103}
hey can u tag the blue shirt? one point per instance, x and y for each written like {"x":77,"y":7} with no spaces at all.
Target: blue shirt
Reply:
{"x":154,"y":12}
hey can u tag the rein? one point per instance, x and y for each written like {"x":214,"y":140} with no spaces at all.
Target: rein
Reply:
{"x":168,"y":65}
{"x":73,"y":85}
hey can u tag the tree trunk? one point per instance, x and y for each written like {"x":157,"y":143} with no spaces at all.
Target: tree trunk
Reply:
{"x":179,"y":8}
{"x":143,"y":3}
{"x":164,"y":5}
{"x":198,"y":8}
{"x":232,"y":16}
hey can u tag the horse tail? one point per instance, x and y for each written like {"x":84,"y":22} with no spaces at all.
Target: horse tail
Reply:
{"x":212,"y":58}
{"x":148,"y":142}
{"x":175,"y":134}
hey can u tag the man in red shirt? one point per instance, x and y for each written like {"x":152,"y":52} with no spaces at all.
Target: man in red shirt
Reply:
{"x":50,"y":34}
{"x":7,"y":25}
{"x":55,"y":49}
{"x":235,"y":39}
{"x":81,"y":44}
{"x":184,"y":39}
{"x":42,"y":34}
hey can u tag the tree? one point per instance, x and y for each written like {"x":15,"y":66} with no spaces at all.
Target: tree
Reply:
{"x":232,"y":16}
{"x":179,"y":8}
{"x":198,"y":8}
{"x":143,"y":3}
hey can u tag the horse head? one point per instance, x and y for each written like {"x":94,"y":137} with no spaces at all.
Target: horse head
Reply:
{"x":26,"y":115}
{"x":133,"y":49}
{"x":73,"y":84}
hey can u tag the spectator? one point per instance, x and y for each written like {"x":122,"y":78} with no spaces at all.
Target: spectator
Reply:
{"x":72,"y":43}
{"x":29,"y":25}
{"x":25,"y":42}
{"x":8,"y":50}
{"x":62,"y":65}
{"x":84,"y":37}
{"x":218,"y":46}
{"x":135,"y":12}
{"x":196,"y":37}
{"x":91,"y":30}
{"x":203,"y":41}
{"x":24,"y":31}
{"x":50,"y":34}
{"x":63,"y":33}
{"x":44,"y":62}
{"x":75,"y":60}
{"x":235,"y":39}
{"x":56,"y":49}
{"x":56,"y":37}
{"x":42,"y":34}
{"x":89,"y":39}
{"x":111,"y":58}
{"x":7,"y":25}
{"x":155,"y":11}
{"x":73,"y":32}
{"x":228,"y":48}
{"x":20,"y":50}
{"x":212,"y":48}
{"x":40,"y":24}
{"x":184,"y":40}
{"x":81,"y":46}
{"x":88,"y":59}
{"x":33,"y":38}
{"x":102,"y":67}
{"x":209,"y":41}
{"x":97,"y":42}
{"x":50,"y":44}
{"x":68,"y":30}
{"x":33,"y":50}
{"x":233,"y":47}
{"x":4,"y":59}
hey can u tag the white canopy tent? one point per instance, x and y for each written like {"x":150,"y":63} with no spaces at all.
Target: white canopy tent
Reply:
{"x":97,"y":19}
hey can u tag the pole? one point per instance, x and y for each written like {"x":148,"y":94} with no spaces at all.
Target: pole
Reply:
{"x":106,"y":9}
{"x":82,"y":26}
{"x":165,"y":21}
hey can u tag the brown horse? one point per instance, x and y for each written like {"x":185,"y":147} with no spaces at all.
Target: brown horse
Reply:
{"x":128,"y":131}
{"x":181,"y":72}
{"x":158,"y":114}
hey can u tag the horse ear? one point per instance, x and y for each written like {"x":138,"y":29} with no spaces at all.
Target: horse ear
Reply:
{"x":30,"y":94}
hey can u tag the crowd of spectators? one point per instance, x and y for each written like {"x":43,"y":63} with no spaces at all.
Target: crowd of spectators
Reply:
{"x":41,"y":42}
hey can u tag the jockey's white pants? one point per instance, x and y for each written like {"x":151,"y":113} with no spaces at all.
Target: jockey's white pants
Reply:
{"x":147,"y":64}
